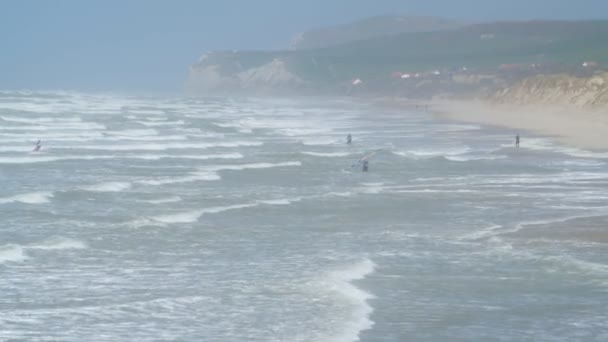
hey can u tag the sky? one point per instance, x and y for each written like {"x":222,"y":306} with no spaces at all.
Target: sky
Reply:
{"x":148,"y":45}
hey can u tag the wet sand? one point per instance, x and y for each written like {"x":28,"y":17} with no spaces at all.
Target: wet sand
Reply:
{"x":572,"y":126}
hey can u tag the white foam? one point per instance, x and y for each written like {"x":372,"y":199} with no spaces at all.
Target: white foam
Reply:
{"x":43,"y":158}
{"x":430,"y":153}
{"x":195,"y":157}
{"x":253,"y":166}
{"x":320,"y":142}
{"x":373,"y":184}
{"x":59,"y":243}
{"x":29,"y":198}
{"x":282,"y":201}
{"x":193,"y":177}
{"x":12,"y":253}
{"x":465,"y":158}
{"x":328,"y":154}
{"x":195,"y":215}
{"x":145,"y":111}
{"x":84,"y":126}
{"x":31,"y":137}
{"x":481,"y":234}
{"x":173,"y":199}
{"x":162,"y":123}
{"x":359,"y":319}
{"x":210,"y":173}
{"x":294,"y":132}
{"x":152,"y":118}
{"x":133,"y":132}
{"x":108,"y":187}
{"x":23,"y":149}
{"x":39,"y":120}
{"x":339,"y":194}
{"x":160,"y":147}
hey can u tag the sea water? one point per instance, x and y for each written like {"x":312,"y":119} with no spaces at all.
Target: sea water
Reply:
{"x":181,"y":219}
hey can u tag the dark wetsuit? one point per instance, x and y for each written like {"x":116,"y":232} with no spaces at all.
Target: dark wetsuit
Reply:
{"x":365,"y":166}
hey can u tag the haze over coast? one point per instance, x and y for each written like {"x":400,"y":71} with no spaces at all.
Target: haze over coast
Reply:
{"x":545,"y":76}
{"x":303,"y":171}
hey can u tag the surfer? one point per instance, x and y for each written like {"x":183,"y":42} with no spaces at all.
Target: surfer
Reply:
{"x":517,"y":140}
{"x":365,"y":166}
{"x":349,"y":139}
{"x":38,"y":146}
{"x":364,"y":161}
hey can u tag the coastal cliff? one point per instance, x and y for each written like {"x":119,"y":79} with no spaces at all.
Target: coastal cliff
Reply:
{"x":223,"y":72}
{"x":561,"y":89}
{"x":505,"y":61}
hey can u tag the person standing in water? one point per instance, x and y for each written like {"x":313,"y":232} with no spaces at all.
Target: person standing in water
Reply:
{"x":349,"y":139}
{"x":38,"y":146}
{"x":365,"y":166}
{"x":517,"y":140}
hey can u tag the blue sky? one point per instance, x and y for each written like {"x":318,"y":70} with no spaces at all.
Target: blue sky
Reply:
{"x":147,"y":45}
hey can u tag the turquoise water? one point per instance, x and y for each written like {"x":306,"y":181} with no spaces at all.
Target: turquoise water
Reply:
{"x":186,"y":219}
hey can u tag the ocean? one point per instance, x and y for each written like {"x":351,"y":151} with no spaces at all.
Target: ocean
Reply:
{"x":219,"y":219}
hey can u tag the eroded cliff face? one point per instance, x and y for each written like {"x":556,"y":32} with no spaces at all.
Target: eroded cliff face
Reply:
{"x":274,"y":76}
{"x":224,"y":73}
{"x":585,"y":92}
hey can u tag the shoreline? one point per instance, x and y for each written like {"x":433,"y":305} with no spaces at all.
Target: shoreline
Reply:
{"x":571,"y":126}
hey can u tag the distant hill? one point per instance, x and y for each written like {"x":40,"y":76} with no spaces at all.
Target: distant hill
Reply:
{"x":484,"y":45}
{"x":369,"y":28}
{"x":482,"y":48}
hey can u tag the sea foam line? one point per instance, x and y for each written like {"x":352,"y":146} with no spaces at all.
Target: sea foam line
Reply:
{"x":162,"y":147}
{"x":45,"y":158}
{"x":195,"y":215}
{"x":18,"y":253}
{"x":107,"y":187}
{"x":342,"y":283}
{"x":210,"y":173}
{"x":29,"y":198}
{"x":327,"y":154}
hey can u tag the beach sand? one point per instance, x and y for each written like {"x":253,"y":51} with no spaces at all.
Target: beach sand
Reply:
{"x":570,"y":125}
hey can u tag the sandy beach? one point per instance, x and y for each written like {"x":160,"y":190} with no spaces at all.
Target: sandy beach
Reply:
{"x":570,"y":125}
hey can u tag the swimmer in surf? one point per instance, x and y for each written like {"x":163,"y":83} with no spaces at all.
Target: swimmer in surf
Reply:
{"x":349,"y":139}
{"x":517,"y":141}
{"x":38,"y":146}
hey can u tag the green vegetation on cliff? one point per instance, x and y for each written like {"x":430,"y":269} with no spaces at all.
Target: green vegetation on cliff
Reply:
{"x":479,"y":46}
{"x":369,"y":29}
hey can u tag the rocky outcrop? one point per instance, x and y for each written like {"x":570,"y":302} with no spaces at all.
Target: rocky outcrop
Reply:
{"x":274,"y":75}
{"x":211,"y":74}
{"x":585,"y":92}
{"x":231,"y":72}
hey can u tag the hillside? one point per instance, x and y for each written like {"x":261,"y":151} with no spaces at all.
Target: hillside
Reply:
{"x":369,"y":29}
{"x":505,"y":51}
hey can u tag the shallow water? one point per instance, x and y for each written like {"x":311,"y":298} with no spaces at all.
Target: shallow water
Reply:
{"x":249,"y":220}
